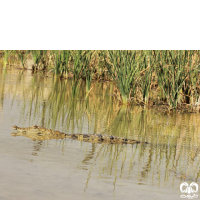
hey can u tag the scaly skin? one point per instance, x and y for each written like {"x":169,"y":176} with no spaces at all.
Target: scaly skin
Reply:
{"x":40,"y":133}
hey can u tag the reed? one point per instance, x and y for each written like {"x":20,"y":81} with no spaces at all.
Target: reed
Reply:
{"x":191,"y":86}
{"x":124,"y":69}
{"x":61,"y":63}
{"x":22,"y":55}
{"x":82,"y":67}
{"x":39,"y":58}
{"x":146,"y":64}
{"x":6,"y":56}
{"x":77,"y":70}
{"x":88,"y":61}
{"x":36,"y":54}
{"x":176,"y":72}
{"x":174,"y":69}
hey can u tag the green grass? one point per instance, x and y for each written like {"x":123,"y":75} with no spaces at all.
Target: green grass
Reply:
{"x":39,"y":57}
{"x":6,"y":56}
{"x":124,"y":69}
{"x":146,"y":70}
{"x":133,"y":72}
{"x":174,"y":70}
{"x":22,"y":55}
{"x":61,"y":63}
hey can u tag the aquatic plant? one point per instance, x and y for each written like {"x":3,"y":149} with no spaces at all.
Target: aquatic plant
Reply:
{"x":6,"y":55}
{"x":22,"y":55}
{"x":38,"y":58}
{"x":173,"y":69}
{"x":77,"y":70}
{"x":175,"y":74}
{"x":82,"y":67}
{"x":146,"y":65}
{"x":124,"y":69}
{"x":61,"y":63}
{"x":88,"y":59}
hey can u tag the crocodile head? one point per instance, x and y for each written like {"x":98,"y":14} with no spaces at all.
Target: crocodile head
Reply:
{"x":14,"y":127}
{"x":34,"y":128}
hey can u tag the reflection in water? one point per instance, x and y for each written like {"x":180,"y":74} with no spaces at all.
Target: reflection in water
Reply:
{"x":36,"y":147}
{"x":171,"y":157}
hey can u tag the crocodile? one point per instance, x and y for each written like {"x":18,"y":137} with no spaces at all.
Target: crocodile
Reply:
{"x":41,"y":133}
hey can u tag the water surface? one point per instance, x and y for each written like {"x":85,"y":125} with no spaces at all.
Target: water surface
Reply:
{"x":70,"y":169}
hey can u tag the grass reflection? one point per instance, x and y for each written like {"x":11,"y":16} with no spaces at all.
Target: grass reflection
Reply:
{"x":173,"y":152}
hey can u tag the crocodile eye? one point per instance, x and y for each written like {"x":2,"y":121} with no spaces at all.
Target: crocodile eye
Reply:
{"x":111,"y":137}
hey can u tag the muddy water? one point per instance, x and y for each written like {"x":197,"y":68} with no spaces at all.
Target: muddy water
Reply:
{"x":70,"y":169}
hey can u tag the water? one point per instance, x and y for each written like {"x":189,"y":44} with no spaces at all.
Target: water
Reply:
{"x":70,"y":169}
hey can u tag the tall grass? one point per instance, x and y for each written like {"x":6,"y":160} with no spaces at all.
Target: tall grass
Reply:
{"x":88,"y":63}
{"x":83,"y":67}
{"x":22,"y":55}
{"x":39,"y":58}
{"x":37,"y":55}
{"x":61,"y":63}
{"x":78,"y":64}
{"x":146,"y":69}
{"x":6,"y":56}
{"x":124,"y":69}
{"x":175,"y":73}
{"x":174,"y":69}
